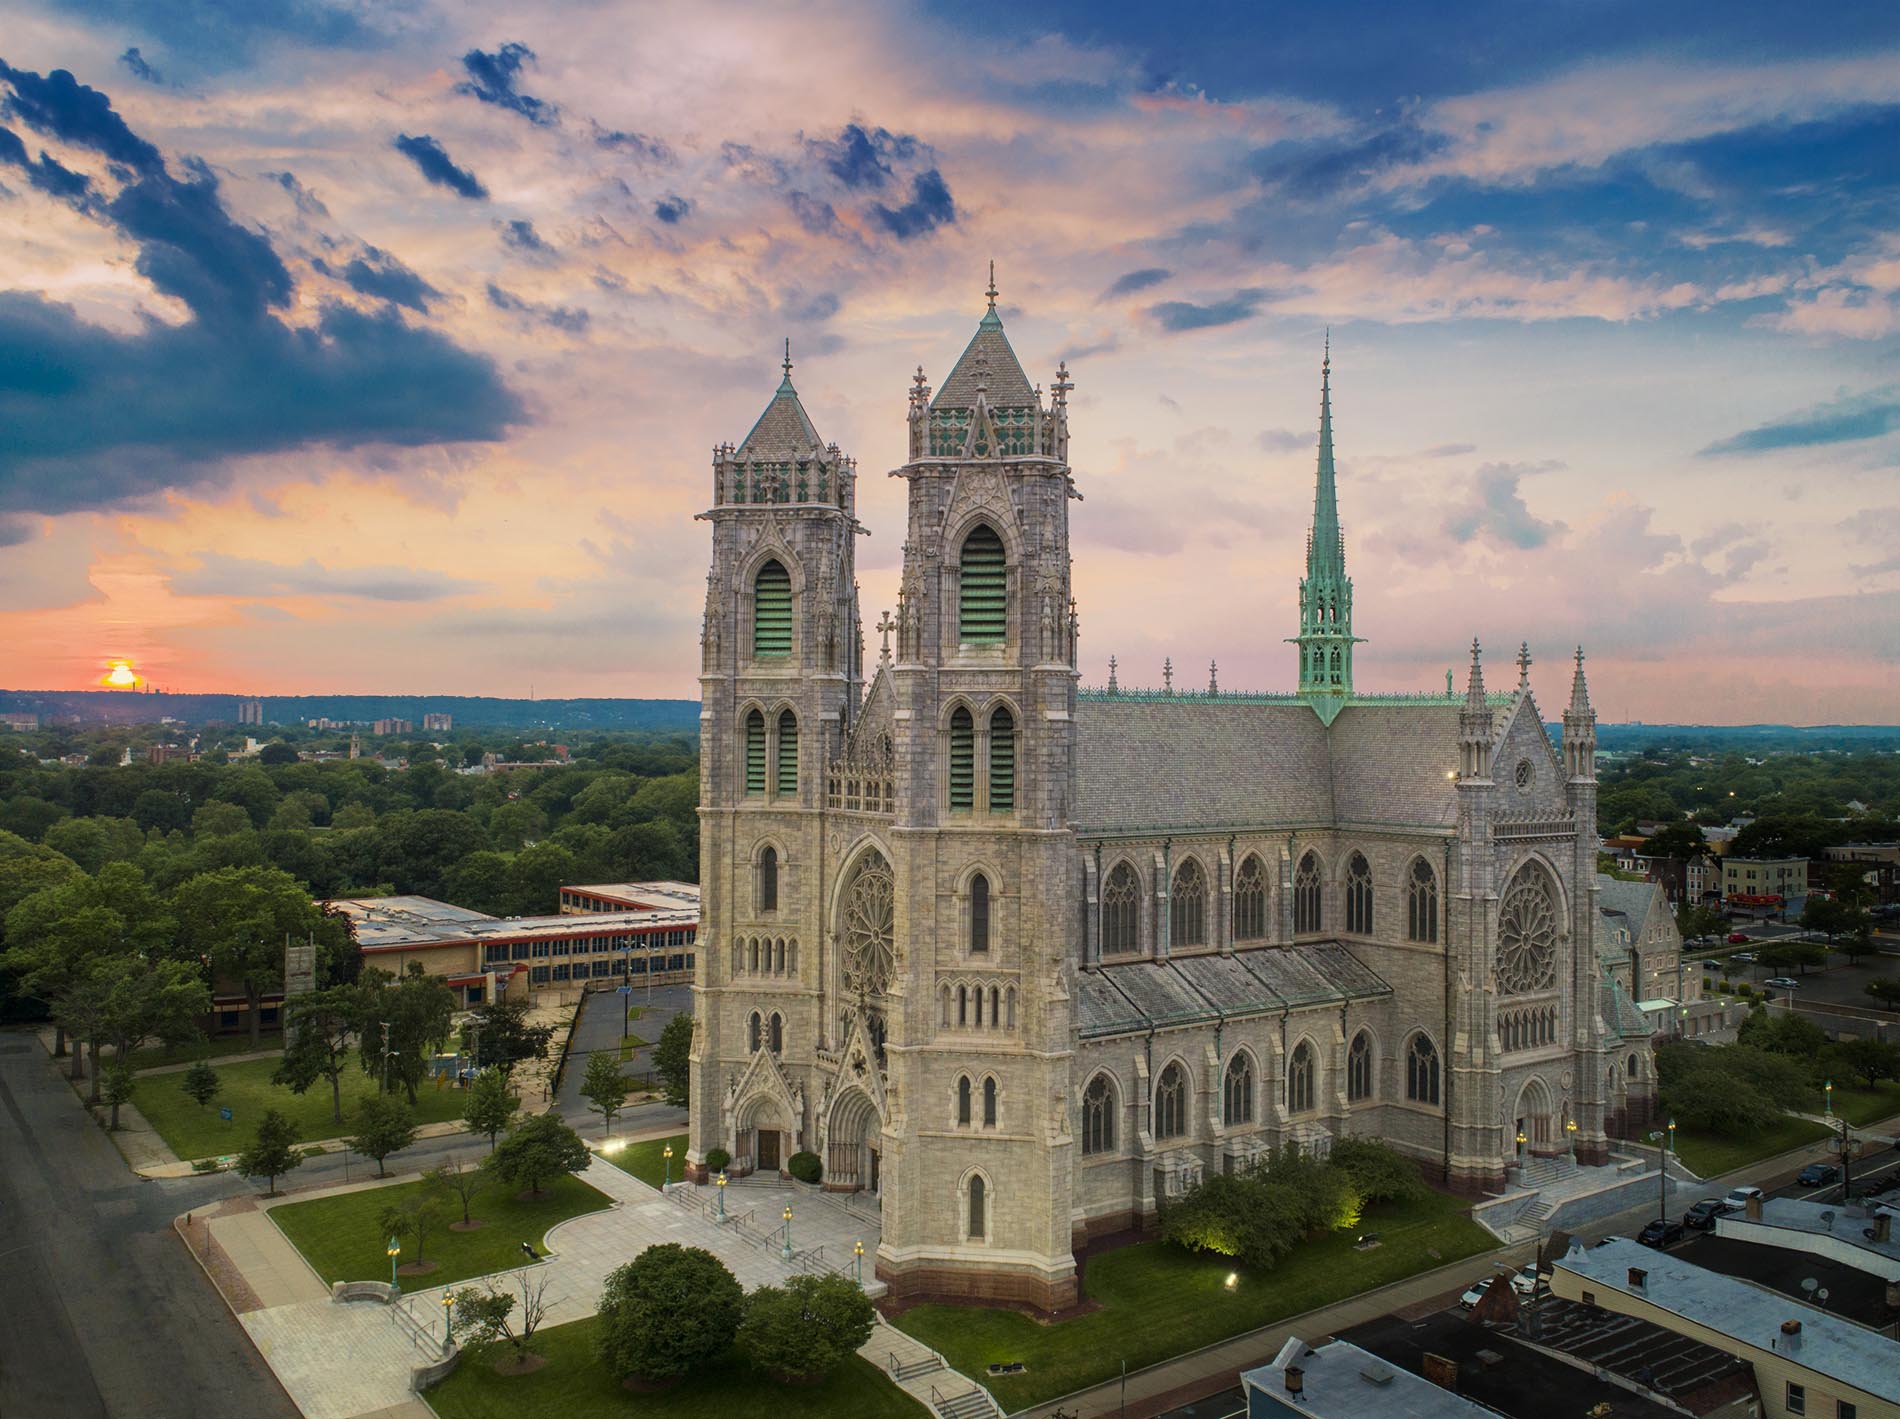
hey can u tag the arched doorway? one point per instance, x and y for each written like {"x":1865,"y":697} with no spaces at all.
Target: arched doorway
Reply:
{"x":853,"y":1137}
{"x":1534,"y":1119}
{"x":764,"y":1140}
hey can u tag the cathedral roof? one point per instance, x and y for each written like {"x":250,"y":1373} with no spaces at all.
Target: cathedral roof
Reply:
{"x":987,"y":360}
{"x":1393,"y":764}
{"x":1135,"y":996}
{"x":784,"y":429}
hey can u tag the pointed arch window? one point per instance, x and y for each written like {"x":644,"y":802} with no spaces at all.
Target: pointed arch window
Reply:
{"x":1237,"y":1091}
{"x":1421,"y":1070}
{"x":1002,"y":761}
{"x":1187,"y":905}
{"x":1098,"y":1117}
{"x":989,"y":1103}
{"x":787,"y":753}
{"x":1121,"y":902}
{"x":962,"y":760}
{"x":1250,"y":901}
{"x":979,"y":1208}
{"x":963,"y":1099}
{"x":979,"y":914}
{"x":768,"y":880}
{"x":1421,"y":903}
{"x":778,"y":1033}
{"x":1359,"y":895}
{"x":983,"y":607}
{"x":772,"y":612}
{"x":1171,"y":1103}
{"x":1299,"y":1080}
{"x":1359,"y":1068}
{"x":755,"y":755}
{"x":755,"y":1032}
{"x":1306,"y":895}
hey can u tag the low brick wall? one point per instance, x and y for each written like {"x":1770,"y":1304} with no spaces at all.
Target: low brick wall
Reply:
{"x":380,"y":1291}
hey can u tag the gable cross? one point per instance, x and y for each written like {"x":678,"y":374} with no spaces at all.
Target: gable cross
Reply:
{"x":885,"y":627}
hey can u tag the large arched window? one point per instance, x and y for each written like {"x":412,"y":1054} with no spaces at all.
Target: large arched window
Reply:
{"x":989,"y":1103}
{"x":983,"y":607}
{"x":1250,"y":901}
{"x":772,"y":612}
{"x":755,"y":1032}
{"x":787,"y":780}
{"x":755,"y":755}
{"x":979,"y":1208}
{"x":1002,"y":761}
{"x":1187,"y":906}
{"x":1098,"y":1117}
{"x":778,"y":1033}
{"x":869,"y":918}
{"x":979,"y":914}
{"x":1306,"y":895}
{"x":1237,"y":1091}
{"x":1421,"y":903}
{"x":962,"y":759}
{"x":1299,"y":1079}
{"x":1421,"y":1070}
{"x":1527,"y":935}
{"x":1358,"y":895}
{"x":963,"y":1099}
{"x":1171,"y":1103}
{"x":1121,"y":905}
{"x":768,"y":880}
{"x":1359,"y":1068}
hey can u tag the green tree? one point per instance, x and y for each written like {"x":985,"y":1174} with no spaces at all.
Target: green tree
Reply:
{"x":1869,"y":1060}
{"x":418,"y":1008}
{"x":604,"y":1087}
{"x":504,"y":1036}
{"x":120,"y":1084}
{"x":237,"y":919}
{"x":384,"y":1125}
{"x":481,"y":1320}
{"x":668,"y":1311}
{"x":536,"y":1149}
{"x":417,"y":1213}
{"x":458,"y":1180}
{"x":1886,"y":992}
{"x":807,"y":1328}
{"x":535,"y":878}
{"x":491,"y":1105}
{"x":1694,"y":921}
{"x":321,"y":1026}
{"x":275,"y":753}
{"x":673,"y":1060}
{"x":1781,"y":955}
{"x":201,"y":1082}
{"x":273,"y":1152}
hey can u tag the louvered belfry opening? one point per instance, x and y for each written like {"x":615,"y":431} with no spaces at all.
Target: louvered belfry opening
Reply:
{"x":787,"y":753}
{"x":755,"y":755}
{"x":984,"y":608}
{"x":962,"y":759}
{"x":1002,"y":761}
{"x":772,"y":611}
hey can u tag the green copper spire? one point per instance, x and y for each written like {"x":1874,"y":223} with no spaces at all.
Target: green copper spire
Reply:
{"x":1326,"y":639}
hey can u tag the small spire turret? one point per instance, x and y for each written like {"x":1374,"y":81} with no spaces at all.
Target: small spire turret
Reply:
{"x":1167,"y":675}
{"x":1326,"y":639}
{"x":1113,"y":688}
{"x":1580,"y":729}
{"x":1213,"y":680}
{"x":1474,"y":723}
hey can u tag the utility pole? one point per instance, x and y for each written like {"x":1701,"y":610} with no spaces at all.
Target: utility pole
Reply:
{"x":385,"y":1056}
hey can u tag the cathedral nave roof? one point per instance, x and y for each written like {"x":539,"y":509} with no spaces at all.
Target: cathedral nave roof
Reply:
{"x":1132,"y":996}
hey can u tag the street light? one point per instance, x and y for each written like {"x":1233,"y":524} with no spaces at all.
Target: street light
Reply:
{"x":1521,"y":1141}
{"x":787,"y":1253}
{"x":666,"y":1178}
{"x":1672,"y":1138}
{"x":1830,"y":1098}
{"x":1570,"y":1127}
{"x":394,"y":1251}
{"x":448,"y":1310}
{"x":721,"y":1194}
{"x":857,"y":1254}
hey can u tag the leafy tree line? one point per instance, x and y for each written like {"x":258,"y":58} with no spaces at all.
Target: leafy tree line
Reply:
{"x":1803,"y":793}
{"x":1777,"y":1065}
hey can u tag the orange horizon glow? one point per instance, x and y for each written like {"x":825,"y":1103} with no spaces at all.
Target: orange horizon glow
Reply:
{"x":121,"y":676}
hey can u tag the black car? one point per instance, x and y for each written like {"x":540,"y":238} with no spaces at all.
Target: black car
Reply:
{"x":1818,"y":1175}
{"x":1701,"y":1217}
{"x":1661,"y":1233}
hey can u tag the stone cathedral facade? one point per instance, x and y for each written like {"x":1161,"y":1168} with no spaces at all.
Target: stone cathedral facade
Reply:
{"x":1022,"y":960}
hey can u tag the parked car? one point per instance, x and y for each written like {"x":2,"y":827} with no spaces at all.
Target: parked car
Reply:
{"x":1661,"y":1233}
{"x":1701,"y":1217}
{"x":1525,"y":1282}
{"x":1782,"y":983}
{"x":1818,"y":1175}
{"x":1735,"y":938}
{"x":1738,"y":1197}
{"x":1746,"y":958}
{"x":1476,"y":1293}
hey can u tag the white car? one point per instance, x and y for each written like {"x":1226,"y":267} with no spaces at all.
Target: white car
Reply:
{"x":1525,"y":1281}
{"x":1738,"y":1197}
{"x":1476,"y":1293}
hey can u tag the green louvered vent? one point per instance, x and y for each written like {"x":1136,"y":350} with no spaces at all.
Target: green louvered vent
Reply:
{"x":962,"y":760}
{"x":1002,"y":762}
{"x":755,"y":755}
{"x":772,"y":612}
{"x":983,"y":612}
{"x":787,"y":753}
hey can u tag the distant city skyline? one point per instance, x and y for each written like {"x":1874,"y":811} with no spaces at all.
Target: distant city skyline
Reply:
{"x":371,"y":349}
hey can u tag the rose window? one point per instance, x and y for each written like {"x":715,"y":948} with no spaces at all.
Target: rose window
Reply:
{"x":869,"y":918}
{"x":1527,"y":938}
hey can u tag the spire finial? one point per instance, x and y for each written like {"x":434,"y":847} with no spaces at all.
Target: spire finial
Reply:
{"x":1213,"y":679}
{"x":1112,"y":686}
{"x":1167,"y":675}
{"x":991,"y":292}
{"x":788,"y":357}
{"x":1524,"y":665}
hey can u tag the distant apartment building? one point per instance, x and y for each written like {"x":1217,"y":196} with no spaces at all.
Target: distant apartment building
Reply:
{"x":19,"y":723}
{"x":393,"y":726}
{"x":1879,"y":864}
{"x":325,"y":722}
{"x":250,"y":711}
{"x":442,"y":722}
{"x":1772,"y":883}
{"x":168,"y":754}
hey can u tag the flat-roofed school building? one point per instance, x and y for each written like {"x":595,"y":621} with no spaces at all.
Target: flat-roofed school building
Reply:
{"x":642,"y":932}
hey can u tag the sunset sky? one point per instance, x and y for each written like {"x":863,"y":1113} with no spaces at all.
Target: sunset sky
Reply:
{"x":381,"y":346}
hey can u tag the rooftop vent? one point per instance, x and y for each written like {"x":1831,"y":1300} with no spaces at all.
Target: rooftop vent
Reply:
{"x":1637,"y":1277}
{"x":1295,"y":1380}
{"x":1791,"y":1327}
{"x":1376,"y":1374}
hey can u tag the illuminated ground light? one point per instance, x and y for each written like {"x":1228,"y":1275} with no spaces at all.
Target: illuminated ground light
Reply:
{"x":121,"y":676}
{"x":1233,"y":1280}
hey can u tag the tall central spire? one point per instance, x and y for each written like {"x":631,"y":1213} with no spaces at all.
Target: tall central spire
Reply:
{"x":1326,"y":639}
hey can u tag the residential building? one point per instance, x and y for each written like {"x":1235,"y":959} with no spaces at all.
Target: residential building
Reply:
{"x":1881,"y":864}
{"x":250,"y":712}
{"x":1765,"y":883}
{"x":1338,"y":1380}
{"x":442,"y":723}
{"x":168,"y":754}
{"x":19,"y":723}
{"x":392,"y":726}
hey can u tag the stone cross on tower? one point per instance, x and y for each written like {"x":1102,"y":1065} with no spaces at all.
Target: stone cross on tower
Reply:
{"x":885,"y":627}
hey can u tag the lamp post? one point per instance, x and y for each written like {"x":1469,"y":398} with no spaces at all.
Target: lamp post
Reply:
{"x":721,"y":1194}
{"x":385,"y":1056}
{"x":448,"y":1312}
{"x":1570,"y":1127}
{"x":394,"y":1250}
{"x":857,"y":1257}
{"x":1521,"y":1141}
{"x":666,"y":1177}
{"x":1672,"y":1138}
{"x":787,"y":1253}
{"x":1829,"y":1095}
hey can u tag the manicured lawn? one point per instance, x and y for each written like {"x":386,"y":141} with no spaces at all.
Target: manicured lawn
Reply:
{"x":647,"y":1161}
{"x":1709,"y":1154}
{"x":630,"y":1043}
{"x":575,"y":1386}
{"x":1861,"y":1107}
{"x":216,"y":1048}
{"x":342,"y":1238}
{"x":1158,"y":1300}
{"x":194,"y":1132}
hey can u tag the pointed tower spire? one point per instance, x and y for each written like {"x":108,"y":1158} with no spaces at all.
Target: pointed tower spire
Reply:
{"x":1474,"y":723}
{"x":1213,"y":679}
{"x":1326,"y":639}
{"x":991,"y":292}
{"x":1524,"y":665}
{"x":1580,"y":729}
{"x":1167,"y":675}
{"x":1113,"y":688}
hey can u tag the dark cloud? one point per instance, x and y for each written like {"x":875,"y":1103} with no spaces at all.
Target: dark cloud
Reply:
{"x":571,"y":319}
{"x":191,"y":248}
{"x":1850,"y":419}
{"x":1107,"y":344}
{"x":521,"y":235}
{"x":139,"y":69}
{"x":812,"y":309}
{"x":306,"y":200}
{"x":1319,"y":170}
{"x":639,"y":144}
{"x":930,"y":207}
{"x":814,"y":214}
{"x":220,"y":575}
{"x":1128,"y":284}
{"x":377,"y":273}
{"x":47,"y":174}
{"x":862,"y":158}
{"x":1186,"y":315}
{"x":209,"y":35}
{"x":435,"y":164}
{"x":59,"y":105}
{"x":672,"y":209}
{"x":1494,"y":507}
{"x":491,"y":78}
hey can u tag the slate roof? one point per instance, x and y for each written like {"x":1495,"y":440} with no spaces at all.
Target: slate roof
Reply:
{"x":1621,"y":906}
{"x":783,"y":430}
{"x":1007,"y":387}
{"x":1390,"y":764}
{"x":1132,"y":996}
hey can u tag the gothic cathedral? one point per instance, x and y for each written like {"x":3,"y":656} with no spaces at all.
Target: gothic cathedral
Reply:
{"x":1020,"y":960}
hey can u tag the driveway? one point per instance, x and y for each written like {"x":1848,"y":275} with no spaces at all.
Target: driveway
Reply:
{"x":598,"y":1026}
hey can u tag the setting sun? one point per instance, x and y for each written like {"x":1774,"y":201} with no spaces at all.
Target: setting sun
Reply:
{"x":121,"y":676}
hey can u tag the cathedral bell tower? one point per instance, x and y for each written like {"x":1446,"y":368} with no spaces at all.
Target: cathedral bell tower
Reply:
{"x":1326,"y":639}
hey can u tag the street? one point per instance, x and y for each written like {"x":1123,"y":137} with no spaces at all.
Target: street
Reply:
{"x":598,"y":1026}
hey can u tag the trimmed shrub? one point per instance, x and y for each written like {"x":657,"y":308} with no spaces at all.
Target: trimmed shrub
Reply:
{"x":717,"y":1160}
{"x":805,"y":1167}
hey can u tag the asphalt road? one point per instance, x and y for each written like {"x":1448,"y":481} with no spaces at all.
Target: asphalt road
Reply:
{"x":599,"y":1026}
{"x":1838,"y":984}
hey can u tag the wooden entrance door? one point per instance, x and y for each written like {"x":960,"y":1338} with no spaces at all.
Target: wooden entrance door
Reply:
{"x":768,"y":1149}
{"x":874,"y":1177}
